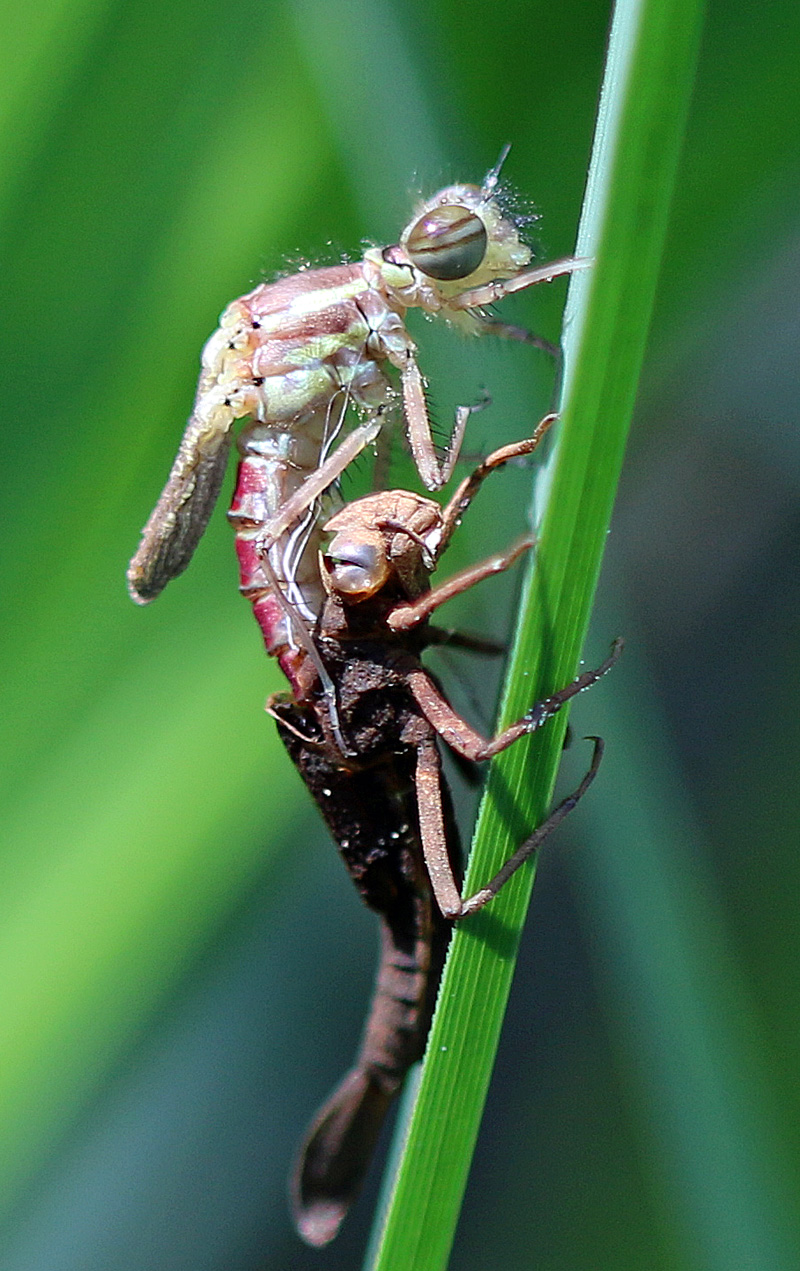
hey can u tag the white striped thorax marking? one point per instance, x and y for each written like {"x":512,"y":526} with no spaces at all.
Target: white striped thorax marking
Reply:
{"x":291,"y":356}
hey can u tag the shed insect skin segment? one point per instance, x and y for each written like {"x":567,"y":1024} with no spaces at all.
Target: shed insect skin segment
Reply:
{"x":291,"y":358}
{"x":385,"y":801}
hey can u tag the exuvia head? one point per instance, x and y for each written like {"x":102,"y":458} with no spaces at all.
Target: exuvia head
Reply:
{"x":355,"y":564}
{"x":390,"y":537}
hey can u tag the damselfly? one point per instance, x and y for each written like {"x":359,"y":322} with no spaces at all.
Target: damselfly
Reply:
{"x":290,"y":358}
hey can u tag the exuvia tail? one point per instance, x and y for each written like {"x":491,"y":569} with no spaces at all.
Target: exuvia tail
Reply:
{"x":336,"y":1154}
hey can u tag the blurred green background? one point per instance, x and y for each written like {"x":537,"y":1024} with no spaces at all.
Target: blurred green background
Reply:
{"x":183,"y":964}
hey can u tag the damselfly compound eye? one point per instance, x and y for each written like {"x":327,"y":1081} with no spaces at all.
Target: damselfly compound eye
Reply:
{"x":356,"y":566}
{"x":447,"y":243}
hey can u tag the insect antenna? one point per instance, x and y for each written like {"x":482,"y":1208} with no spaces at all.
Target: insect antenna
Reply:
{"x":397,"y":527}
{"x":493,"y":175}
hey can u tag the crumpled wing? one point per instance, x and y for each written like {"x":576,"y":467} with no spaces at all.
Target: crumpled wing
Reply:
{"x":182,"y":513}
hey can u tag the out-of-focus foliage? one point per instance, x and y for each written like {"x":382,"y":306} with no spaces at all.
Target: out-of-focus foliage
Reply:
{"x":183,"y":967}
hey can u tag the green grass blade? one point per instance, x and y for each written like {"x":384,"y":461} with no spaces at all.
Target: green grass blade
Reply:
{"x":652,"y":54}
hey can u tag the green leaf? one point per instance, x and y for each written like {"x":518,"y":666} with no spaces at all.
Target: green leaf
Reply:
{"x":644,"y":103}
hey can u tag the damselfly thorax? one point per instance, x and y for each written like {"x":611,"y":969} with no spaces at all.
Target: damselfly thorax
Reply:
{"x":290,"y":358}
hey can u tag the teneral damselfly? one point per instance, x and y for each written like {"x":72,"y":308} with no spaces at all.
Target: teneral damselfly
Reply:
{"x":290,"y":357}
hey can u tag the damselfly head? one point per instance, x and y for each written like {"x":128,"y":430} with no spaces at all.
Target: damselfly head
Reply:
{"x":460,"y":239}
